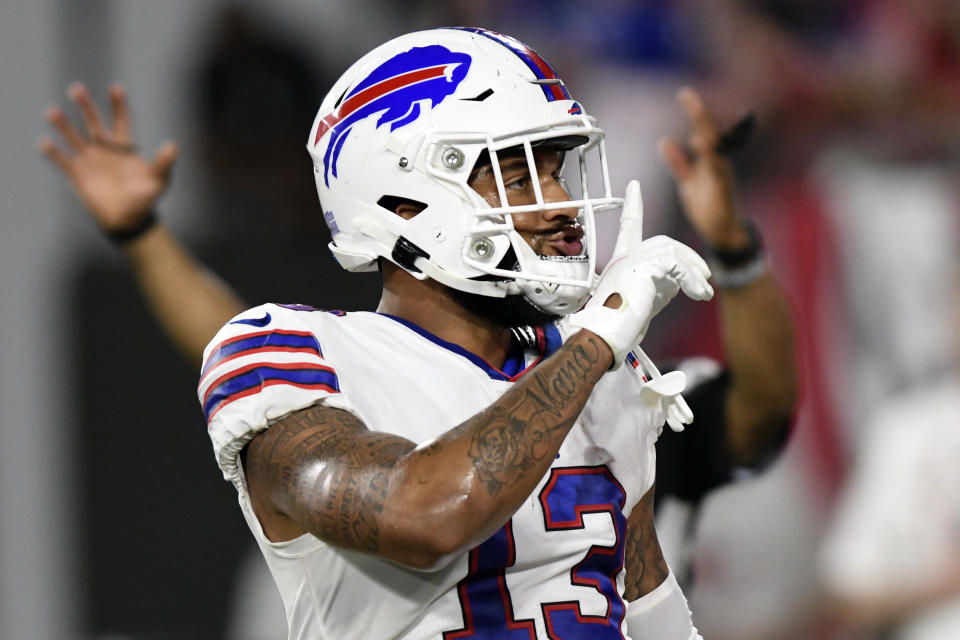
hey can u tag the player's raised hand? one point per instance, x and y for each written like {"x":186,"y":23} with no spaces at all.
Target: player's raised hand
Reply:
{"x":704,"y":176}
{"x":643,"y":276}
{"x":116,"y":183}
{"x":631,"y":246}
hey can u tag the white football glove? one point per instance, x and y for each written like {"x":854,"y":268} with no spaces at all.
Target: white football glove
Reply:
{"x":647,"y":274}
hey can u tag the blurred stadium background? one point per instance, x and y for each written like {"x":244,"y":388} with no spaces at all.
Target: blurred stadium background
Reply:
{"x":115,"y":522}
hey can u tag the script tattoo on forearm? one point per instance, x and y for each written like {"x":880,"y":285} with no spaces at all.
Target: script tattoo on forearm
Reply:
{"x":645,"y":567}
{"x":511,"y":440}
{"x":344,"y":494}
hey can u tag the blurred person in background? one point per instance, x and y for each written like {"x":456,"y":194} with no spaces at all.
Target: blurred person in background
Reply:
{"x":254,"y":92}
{"x":743,"y":408}
{"x":891,"y":556}
{"x":870,"y":94}
{"x":249,"y":86}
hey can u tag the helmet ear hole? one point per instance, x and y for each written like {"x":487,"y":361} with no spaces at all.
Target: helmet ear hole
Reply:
{"x":404,"y":207}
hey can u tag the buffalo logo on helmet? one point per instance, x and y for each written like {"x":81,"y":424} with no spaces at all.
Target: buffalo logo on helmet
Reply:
{"x":397,"y":87}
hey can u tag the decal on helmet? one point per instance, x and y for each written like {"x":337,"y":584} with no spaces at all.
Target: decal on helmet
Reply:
{"x":397,"y":88}
{"x":547,"y":78}
{"x":331,"y":222}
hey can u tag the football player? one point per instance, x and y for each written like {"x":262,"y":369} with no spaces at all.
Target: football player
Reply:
{"x":422,"y":471}
{"x":416,"y":114}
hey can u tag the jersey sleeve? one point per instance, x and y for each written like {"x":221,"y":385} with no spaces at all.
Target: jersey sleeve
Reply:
{"x":264,"y":364}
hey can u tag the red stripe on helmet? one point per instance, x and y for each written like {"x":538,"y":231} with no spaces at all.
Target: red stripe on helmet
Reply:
{"x":375,"y":91}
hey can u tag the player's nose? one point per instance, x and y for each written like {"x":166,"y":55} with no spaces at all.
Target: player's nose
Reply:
{"x":554,"y":191}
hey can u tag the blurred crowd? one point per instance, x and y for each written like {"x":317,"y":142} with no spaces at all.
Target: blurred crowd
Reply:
{"x":853,"y":177}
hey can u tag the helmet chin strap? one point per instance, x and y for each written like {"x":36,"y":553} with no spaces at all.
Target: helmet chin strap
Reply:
{"x":492,"y":289}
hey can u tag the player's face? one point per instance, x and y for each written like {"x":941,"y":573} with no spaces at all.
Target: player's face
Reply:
{"x":550,"y":233}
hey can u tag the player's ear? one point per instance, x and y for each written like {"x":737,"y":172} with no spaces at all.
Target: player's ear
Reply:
{"x":407,"y":210}
{"x":403,"y":207}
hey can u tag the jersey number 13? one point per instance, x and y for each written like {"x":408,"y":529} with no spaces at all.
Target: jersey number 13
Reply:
{"x":485,"y":600}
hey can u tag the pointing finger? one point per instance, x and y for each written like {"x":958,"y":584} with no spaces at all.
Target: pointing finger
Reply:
{"x":631,"y":220}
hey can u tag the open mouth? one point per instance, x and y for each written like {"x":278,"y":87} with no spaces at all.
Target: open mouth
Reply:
{"x":567,"y":241}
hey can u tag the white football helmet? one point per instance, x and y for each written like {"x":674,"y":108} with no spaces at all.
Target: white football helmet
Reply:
{"x":409,"y":120}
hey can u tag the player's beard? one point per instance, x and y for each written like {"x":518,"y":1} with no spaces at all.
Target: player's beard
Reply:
{"x":510,"y":311}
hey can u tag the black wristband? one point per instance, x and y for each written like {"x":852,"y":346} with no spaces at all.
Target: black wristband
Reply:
{"x":731,"y":259}
{"x":123,"y":236}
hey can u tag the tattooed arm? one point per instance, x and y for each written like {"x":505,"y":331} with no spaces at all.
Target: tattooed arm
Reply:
{"x":320,"y":470}
{"x":656,"y":606}
{"x":643,"y":559}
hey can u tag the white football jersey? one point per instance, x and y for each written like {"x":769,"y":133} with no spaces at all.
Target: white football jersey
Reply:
{"x":556,"y":567}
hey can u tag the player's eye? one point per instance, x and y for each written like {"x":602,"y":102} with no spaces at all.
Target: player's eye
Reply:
{"x":519,"y":183}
